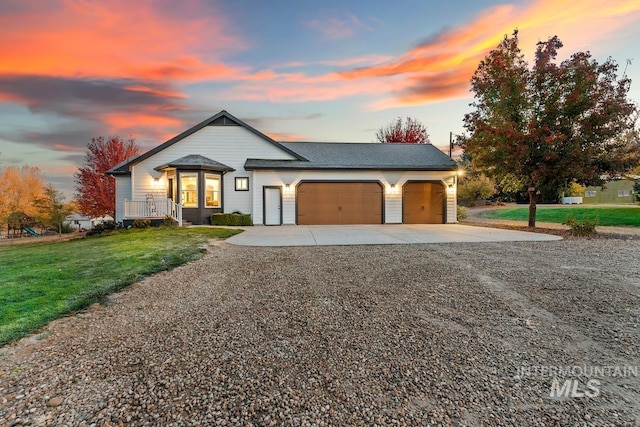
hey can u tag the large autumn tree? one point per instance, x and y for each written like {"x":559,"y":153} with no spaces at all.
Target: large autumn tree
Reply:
{"x":549,"y":124}
{"x":411,"y":131}
{"x":95,"y":190}
{"x":19,"y":187}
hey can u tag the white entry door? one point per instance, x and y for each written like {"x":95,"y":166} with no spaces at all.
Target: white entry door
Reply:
{"x":272,"y":206}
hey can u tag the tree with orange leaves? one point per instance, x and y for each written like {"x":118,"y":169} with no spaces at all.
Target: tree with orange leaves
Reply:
{"x":95,"y":190}
{"x":412,"y":131}
{"x":19,"y":187}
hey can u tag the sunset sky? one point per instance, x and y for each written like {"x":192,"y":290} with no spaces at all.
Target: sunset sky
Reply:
{"x":329,"y":70}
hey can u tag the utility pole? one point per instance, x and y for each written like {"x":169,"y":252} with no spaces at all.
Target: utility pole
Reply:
{"x":450,"y":144}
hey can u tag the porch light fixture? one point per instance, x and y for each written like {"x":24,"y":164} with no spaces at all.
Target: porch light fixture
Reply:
{"x":156,"y":182}
{"x":451,"y":189}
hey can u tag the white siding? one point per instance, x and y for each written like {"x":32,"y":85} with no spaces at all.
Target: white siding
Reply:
{"x":230,"y":145}
{"x":123,"y":192}
{"x":452,"y":200}
{"x":392,"y":196}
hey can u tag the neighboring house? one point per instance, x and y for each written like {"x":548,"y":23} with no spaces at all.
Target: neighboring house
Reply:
{"x":614,"y":192}
{"x":225,"y":165}
{"x":85,"y":222}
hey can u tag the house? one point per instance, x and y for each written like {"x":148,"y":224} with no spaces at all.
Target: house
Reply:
{"x":225,"y":165}
{"x":85,"y":222}
{"x":617,"y":191}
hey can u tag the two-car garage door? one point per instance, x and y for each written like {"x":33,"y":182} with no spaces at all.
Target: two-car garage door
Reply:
{"x":362,"y":203}
{"x":339,"y":203}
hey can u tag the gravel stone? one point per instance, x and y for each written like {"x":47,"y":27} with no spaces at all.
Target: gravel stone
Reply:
{"x":401,"y":335}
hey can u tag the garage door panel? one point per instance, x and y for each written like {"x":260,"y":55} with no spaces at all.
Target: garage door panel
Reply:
{"x":423,"y":203}
{"x":339,"y":203}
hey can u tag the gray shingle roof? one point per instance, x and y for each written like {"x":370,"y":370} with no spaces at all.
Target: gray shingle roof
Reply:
{"x":327,"y":155}
{"x":195,"y":161}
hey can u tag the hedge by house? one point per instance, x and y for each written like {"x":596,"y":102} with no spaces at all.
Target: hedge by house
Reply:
{"x":231,"y":219}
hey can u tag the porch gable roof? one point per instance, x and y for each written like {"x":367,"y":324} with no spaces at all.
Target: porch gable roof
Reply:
{"x":195,"y":161}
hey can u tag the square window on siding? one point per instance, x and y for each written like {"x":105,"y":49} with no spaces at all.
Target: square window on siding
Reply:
{"x":589,"y":194}
{"x":624,"y":193}
{"x":242,"y":184}
{"x":212,"y":191}
{"x":189,"y":190}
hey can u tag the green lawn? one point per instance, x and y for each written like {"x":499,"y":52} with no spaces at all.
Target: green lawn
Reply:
{"x":607,"y":215}
{"x":41,"y":282}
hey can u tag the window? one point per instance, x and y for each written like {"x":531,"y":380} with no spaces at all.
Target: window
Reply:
{"x":189,"y":186}
{"x":589,"y":194}
{"x":624,"y":193}
{"x":212,"y":191}
{"x":242,"y":184}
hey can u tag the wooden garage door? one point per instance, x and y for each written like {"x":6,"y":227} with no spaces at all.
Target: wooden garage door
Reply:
{"x":339,"y":203}
{"x":423,"y":203}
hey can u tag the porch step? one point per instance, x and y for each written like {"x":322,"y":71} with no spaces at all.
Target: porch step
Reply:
{"x":186,"y":223}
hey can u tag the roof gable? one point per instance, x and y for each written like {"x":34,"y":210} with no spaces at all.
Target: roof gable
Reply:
{"x":223,"y":118}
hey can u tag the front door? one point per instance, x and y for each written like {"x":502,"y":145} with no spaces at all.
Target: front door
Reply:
{"x":272,"y":205}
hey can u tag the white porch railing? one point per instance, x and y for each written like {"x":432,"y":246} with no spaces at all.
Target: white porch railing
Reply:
{"x":153,"y":208}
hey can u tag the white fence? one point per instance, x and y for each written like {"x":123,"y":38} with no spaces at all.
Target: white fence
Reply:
{"x":572,"y":200}
{"x":153,"y":208}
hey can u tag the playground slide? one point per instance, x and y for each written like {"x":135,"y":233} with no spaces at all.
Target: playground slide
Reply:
{"x":31,"y":231}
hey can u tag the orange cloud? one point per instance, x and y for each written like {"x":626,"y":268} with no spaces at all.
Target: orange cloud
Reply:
{"x":287,"y":137}
{"x":145,"y":119}
{"x":60,"y":169}
{"x":132,"y":39}
{"x":441,"y":68}
{"x":63,"y":147}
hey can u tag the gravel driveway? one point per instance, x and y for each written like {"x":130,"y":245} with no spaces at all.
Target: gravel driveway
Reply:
{"x":449,"y":334}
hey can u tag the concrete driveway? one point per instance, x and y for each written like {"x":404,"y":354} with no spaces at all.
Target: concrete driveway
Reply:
{"x":388,"y":234}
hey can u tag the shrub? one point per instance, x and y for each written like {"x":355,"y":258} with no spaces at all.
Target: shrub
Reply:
{"x":67,"y":227}
{"x":475,"y":188}
{"x":462,"y":212}
{"x":168,"y":221}
{"x":104,"y":227}
{"x":582,"y":228}
{"x":141,"y":223}
{"x":231,"y":219}
{"x":574,"y":190}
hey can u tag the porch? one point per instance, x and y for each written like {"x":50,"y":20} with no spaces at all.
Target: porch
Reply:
{"x":152,"y":208}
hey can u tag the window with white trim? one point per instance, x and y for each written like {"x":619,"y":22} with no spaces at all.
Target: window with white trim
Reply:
{"x":624,"y":193}
{"x":590,"y":193}
{"x":212,"y":191}
{"x":242,"y":183}
{"x":189,"y":190}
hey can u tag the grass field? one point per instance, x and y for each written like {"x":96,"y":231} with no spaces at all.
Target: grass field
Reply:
{"x":613,"y":216}
{"x":41,"y":282}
